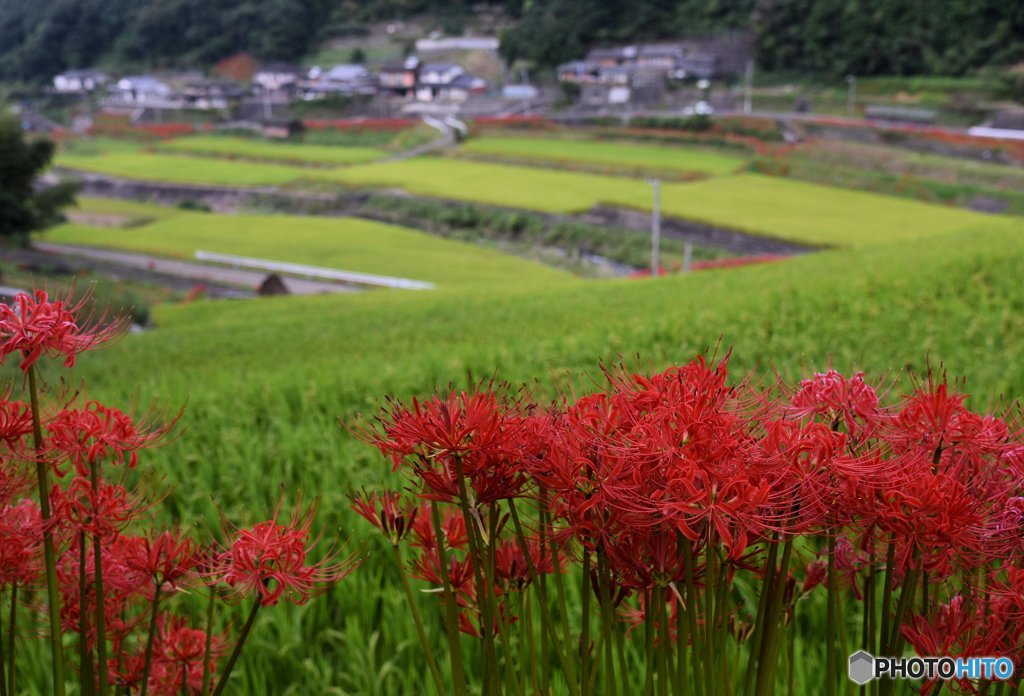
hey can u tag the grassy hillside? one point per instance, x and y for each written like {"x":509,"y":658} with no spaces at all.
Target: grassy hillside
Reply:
{"x":345,"y":243}
{"x":265,"y":150}
{"x":265,"y":381}
{"x":610,"y":153}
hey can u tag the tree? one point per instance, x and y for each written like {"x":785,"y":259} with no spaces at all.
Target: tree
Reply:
{"x":25,"y":207}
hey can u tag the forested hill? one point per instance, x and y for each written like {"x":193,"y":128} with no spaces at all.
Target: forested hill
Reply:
{"x":39,"y":38}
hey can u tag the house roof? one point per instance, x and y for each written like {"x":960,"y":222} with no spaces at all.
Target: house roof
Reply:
{"x":84,"y":72}
{"x":287,"y":68}
{"x":466,"y":81}
{"x":143,"y":83}
{"x":347,"y":72}
{"x":658,"y":50}
{"x":410,"y":63}
{"x":618,"y":52}
{"x":441,"y":67}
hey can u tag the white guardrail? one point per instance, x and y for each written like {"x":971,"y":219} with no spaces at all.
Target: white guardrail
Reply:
{"x":314,"y":271}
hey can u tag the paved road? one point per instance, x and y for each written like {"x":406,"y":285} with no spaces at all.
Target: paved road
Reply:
{"x":200,"y":273}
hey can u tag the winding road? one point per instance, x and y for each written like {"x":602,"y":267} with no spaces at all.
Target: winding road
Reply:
{"x":197,"y":272}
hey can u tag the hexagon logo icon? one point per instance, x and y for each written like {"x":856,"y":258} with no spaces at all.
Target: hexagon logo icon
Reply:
{"x":862,"y":667}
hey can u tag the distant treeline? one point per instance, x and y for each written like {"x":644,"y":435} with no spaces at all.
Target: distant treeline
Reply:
{"x":827,"y":37}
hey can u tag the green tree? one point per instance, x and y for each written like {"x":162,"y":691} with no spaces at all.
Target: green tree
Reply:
{"x":25,"y":207}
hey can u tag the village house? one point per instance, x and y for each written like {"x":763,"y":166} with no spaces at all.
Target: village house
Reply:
{"x":463,"y":88}
{"x":640,"y":74}
{"x":400,"y":77}
{"x":214,"y":95}
{"x":613,"y":57}
{"x":434,"y":77}
{"x":80,"y":81}
{"x":345,"y":79}
{"x":277,"y":77}
{"x":142,"y":90}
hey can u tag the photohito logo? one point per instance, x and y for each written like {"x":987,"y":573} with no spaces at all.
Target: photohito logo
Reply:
{"x":864,"y":667}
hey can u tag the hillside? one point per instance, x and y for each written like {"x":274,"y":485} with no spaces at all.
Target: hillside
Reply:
{"x":265,"y":383}
{"x":38,"y":40}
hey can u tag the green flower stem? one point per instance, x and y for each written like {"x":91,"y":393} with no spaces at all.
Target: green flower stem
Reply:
{"x":762,"y":604}
{"x":451,"y":622}
{"x":765,"y":683}
{"x":12,"y":622}
{"x":607,"y":623}
{"x":3,"y":660}
{"x":830,"y":620}
{"x":88,"y":678}
{"x":710,"y":557}
{"x":649,"y":620}
{"x":527,"y":657}
{"x":664,"y":645}
{"x":418,"y":620}
{"x":208,"y":647}
{"x":101,"y":626}
{"x":150,"y":639}
{"x":890,"y":563}
{"x":50,"y":556}
{"x":894,"y":644}
{"x":682,"y":677}
{"x":545,"y":612}
{"x":692,"y":602}
{"x":474,"y":534}
{"x":541,"y":588}
{"x":239,"y":644}
{"x":584,"y":644}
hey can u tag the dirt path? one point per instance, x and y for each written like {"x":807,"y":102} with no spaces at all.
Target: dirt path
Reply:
{"x":197,"y":272}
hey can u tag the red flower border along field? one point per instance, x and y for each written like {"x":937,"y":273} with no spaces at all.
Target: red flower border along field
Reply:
{"x":674,"y":532}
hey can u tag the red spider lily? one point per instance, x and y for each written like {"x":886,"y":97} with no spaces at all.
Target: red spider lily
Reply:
{"x":1005,"y":533}
{"x":427,"y":567}
{"x":21,"y":532}
{"x":269,"y":561}
{"x":103,"y":511}
{"x":15,"y":423}
{"x":849,"y":402}
{"x":848,"y":562}
{"x":635,"y":616}
{"x":933,"y":515}
{"x":179,"y":655}
{"x":388,"y":513}
{"x":453,"y":527}
{"x":164,"y":558}
{"x":123,"y":587}
{"x":96,"y":433}
{"x":37,"y":326}
{"x":473,"y":434}
{"x":957,"y":628}
{"x":511,"y":570}
{"x":470,"y":620}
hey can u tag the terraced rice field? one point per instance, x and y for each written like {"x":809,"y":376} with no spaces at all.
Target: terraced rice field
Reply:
{"x":264,"y":150}
{"x":184,"y":169}
{"x":343,"y":243}
{"x":657,"y":158}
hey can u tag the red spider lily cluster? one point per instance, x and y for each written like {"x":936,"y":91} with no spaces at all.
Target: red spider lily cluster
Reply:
{"x":698,"y":516}
{"x":78,"y":558}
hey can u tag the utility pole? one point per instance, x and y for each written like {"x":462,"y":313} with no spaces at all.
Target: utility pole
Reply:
{"x":656,"y":228}
{"x":851,"y":95}
{"x":748,"y":94}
